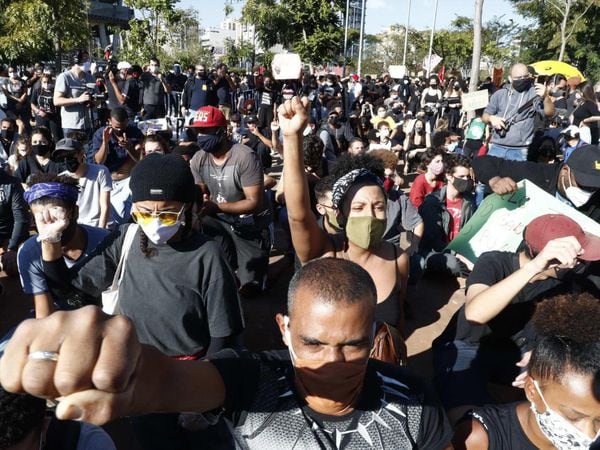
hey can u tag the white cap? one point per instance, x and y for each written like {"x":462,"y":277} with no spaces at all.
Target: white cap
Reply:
{"x":571,"y":130}
{"x":123,"y":65}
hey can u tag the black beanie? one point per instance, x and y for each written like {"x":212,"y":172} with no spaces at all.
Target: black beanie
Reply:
{"x":162,"y":177}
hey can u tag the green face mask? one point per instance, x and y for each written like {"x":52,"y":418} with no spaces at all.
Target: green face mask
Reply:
{"x":331,"y":218}
{"x":365,"y":231}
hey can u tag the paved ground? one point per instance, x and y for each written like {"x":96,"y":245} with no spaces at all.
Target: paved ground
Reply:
{"x":432,"y":304}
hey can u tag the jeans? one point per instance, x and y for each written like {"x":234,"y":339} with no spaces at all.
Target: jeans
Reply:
{"x":509,"y":153}
{"x":463,"y":369}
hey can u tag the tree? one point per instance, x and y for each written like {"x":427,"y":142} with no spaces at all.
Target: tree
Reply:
{"x":311,"y":28}
{"x":149,"y":31}
{"x":543,"y":40}
{"x":40,"y":29}
{"x":237,"y":54}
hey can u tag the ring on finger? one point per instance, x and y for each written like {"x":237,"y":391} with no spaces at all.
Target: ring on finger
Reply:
{"x":43,"y":355}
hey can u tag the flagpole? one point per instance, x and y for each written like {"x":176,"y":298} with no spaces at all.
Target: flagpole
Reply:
{"x":406,"y":34}
{"x":346,"y":37}
{"x":362,"y":32}
{"x":431,"y":38}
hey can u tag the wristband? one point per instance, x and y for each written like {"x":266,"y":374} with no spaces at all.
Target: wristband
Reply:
{"x":49,"y":238}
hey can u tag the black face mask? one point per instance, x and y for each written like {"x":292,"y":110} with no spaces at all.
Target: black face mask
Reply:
{"x":201,"y":75}
{"x":67,"y":164}
{"x":118,"y":132}
{"x":521,"y":85}
{"x":396,"y":110}
{"x":463,"y":186}
{"x":40,"y":149}
{"x":7,"y":134}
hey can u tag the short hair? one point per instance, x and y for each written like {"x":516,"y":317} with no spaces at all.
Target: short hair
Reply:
{"x":454,"y":161}
{"x":333,"y":280}
{"x":79,"y":136}
{"x":313,"y":151}
{"x":119,"y":114}
{"x":41,"y":177}
{"x":354,"y":140}
{"x":347,"y":163}
{"x":154,"y":58}
{"x":324,"y":186}
{"x":20,"y":414}
{"x":568,"y":337}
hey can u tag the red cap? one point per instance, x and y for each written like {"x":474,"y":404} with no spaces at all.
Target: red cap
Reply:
{"x":355,"y":77}
{"x":208,"y":116}
{"x":553,"y":226}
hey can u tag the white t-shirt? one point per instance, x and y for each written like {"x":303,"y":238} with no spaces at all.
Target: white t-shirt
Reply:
{"x":96,"y":180}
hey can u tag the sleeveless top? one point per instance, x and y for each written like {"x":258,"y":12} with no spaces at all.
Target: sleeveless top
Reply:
{"x":502,"y":426}
{"x":388,"y":310}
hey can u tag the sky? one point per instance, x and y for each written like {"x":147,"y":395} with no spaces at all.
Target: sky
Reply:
{"x":381,"y":14}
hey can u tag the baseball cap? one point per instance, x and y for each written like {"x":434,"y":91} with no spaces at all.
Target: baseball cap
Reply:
{"x":68,"y":144}
{"x":545,"y":228}
{"x":123,"y":65}
{"x":252,"y":118}
{"x":208,"y":116}
{"x":585,"y":164}
{"x":571,"y":131}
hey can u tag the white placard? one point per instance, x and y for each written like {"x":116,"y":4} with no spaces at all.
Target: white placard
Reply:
{"x":475,"y":100}
{"x":286,"y":66}
{"x":397,"y":71}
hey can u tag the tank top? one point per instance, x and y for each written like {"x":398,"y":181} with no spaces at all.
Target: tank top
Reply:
{"x":502,"y":426}
{"x":388,"y":310}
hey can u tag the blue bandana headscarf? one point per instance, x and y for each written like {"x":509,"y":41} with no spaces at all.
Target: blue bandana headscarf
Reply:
{"x":65,"y":192}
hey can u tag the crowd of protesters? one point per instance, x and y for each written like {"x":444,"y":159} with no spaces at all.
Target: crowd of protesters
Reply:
{"x":151,"y":194}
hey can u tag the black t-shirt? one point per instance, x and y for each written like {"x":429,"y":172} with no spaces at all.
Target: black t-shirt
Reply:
{"x":178,"y":299}
{"x":29,"y":166}
{"x":264,"y":411}
{"x":585,"y":110}
{"x":502,"y":426}
{"x":491,"y":268}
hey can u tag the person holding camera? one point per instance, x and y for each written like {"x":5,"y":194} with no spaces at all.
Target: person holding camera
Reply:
{"x":512,"y":112}
{"x":73,"y":97}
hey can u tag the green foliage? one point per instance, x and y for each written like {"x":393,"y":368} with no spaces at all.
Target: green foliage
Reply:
{"x":542,"y":40}
{"x":33,"y":30}
{"x":237,"y":55}
{"x":311,"y":28}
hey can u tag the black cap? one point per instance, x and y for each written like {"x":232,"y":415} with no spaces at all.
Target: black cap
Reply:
{"x":68,"y":145}
{"x":585,"y":164}
{"x":162,"y":177}
{"x":252,"y":118}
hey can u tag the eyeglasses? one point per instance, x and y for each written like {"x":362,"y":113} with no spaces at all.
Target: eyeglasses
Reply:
{"x":165,"y":217}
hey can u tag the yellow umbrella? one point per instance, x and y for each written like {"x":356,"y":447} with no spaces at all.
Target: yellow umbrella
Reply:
{"x":554,"y":67}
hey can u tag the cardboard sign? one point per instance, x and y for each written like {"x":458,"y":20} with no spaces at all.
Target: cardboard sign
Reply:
{"x":397,"y":72}
{"x":286,"y":66}
{"x":500,"y":219}
{"x":475,"y":100}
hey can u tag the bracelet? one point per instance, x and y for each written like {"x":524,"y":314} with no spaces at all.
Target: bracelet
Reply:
{"x":50,"y":239}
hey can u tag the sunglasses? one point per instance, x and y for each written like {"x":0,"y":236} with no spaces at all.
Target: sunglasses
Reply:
{"x":165,"y":217}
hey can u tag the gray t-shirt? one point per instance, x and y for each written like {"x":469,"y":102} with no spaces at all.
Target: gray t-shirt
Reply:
{"x":505,"y":103}
{"x":154,"y":91}
{"x":401,"y":216}
{"x":226,"y":182}
{"x":96,"y":180}
{"x":71,"y":86}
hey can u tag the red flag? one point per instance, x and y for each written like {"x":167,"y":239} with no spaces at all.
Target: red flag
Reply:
{"x":497,"y":76}
{"x":441,"y":74}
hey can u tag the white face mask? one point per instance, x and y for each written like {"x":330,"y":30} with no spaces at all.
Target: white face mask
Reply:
{"x":451,"y":147}
{"x":381,"y":114}
{"x":562,"y":433}
{"x":576,"y":195}
{"x":158,"y":233}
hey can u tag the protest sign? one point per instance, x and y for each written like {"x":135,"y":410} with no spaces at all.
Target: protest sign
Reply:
{"x":499,"y":221}
{"x":474,"y":100}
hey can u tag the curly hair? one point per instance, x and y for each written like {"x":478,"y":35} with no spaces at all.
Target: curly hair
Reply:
{"x":347,"y":163}
{"x":20,"y":414}
{"x":454,"y":161}
{"x":312,"y":148}
{"x":389,"y":158}
{"x":568,"y":337}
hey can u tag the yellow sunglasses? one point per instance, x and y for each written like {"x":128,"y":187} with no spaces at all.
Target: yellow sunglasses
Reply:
{"x":165,"y":217}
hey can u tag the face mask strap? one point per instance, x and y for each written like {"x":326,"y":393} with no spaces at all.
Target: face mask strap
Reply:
{"x":539,"y":391}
